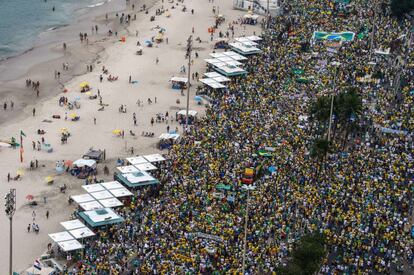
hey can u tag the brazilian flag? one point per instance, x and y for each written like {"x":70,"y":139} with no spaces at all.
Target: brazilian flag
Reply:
{"x":298,"y":71}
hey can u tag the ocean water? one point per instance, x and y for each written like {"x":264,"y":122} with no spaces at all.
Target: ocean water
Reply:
{"x":21,"y":21}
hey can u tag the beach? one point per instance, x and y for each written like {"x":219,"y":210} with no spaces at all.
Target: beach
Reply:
{"x":150,"y":80}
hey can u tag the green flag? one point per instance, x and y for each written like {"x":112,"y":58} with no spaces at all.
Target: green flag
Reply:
{"x":22,"y":134}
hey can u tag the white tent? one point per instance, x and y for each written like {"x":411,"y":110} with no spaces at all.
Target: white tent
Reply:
{"x":61,"y":236}
{"x":137,"y":178}
{"x":254,"y":38}
{"x":85,"y":162}
{"x":91,"y":205}
{"x":82,"y":198}
{"x":212,"y":74}
{"x":235,"y":56}
{"x":127,"y":169}
{"x":212,"y":83}
{"x":112,"y":202}
{"x":70,"y":245}
{"x":121,"y":192}
{"x":136,"y":160}
{"x":146,"y":166}
{"x":112,"y":185}
{"x":245,"y":40}
{"x":80,"y":233}
{"x":154,"y":158}
{"x":244,"y":48}
{"x":93,"y":187}
{"x":72,"y":224}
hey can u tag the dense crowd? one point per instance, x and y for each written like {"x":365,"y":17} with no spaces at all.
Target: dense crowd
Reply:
{"x":361,"y":200}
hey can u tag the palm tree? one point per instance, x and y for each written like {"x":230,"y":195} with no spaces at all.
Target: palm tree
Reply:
{"x":320,"y":110}
{"x":320,"y":149}
{"x":349,"y":109}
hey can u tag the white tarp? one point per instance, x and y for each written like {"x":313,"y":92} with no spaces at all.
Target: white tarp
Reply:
{"x":154,"y":158}
{"x":112,"y":202}
{"x":190,"y":112}
{"x":82,"y":198}
{"x":112,"y":185}
{"x":102,"y":217}
{"x":235,"y":55}
{"x":179,"y":79}
{"x":70,"y":245}
{"x":245,"y":40}
{"x":80,"y":233}
{"x":127,"y":169}
{"x":246,"y":49}
{"x":72,"y":224}
{"x":91,"y":205}
{"x":169,"y":136}
{"x":146,"y":166}
{"x":254,"y":38}
{"x":212,"y":83}
{"x":93,"y":188}
{"x":136,"y":160}
{"x":121,"y":192}
{"x":85,"y":162}
{"x":61,"y":236}
{"x":102,"y":195}
{"x":212,"y":74}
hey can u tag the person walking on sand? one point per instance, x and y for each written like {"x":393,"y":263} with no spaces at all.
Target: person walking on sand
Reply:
{"x":157,"y":60}
{"x":8,"y":177}
{"x":94,"y":120}
{"x":34,"y":111}
{"x":47,"y":214}
{"x":28,"y":228}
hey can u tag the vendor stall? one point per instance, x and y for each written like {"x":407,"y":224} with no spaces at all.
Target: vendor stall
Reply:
{"x":133,"y":180}
{"x":167,"y":140}
{"x":100,"y":217}
{"x":179,"y":83}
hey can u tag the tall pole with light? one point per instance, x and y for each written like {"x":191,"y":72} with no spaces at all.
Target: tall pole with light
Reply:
{"x":10,"y":208}
{"x":336,"y":64}
{"x":248,"y":188}
{"x":189,"y":50}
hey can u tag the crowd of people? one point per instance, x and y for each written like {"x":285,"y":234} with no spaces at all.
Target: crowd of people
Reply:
{"x":194,"y":221}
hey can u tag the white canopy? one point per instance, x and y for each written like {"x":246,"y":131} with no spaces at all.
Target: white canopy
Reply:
{"x":85,"y":162}
{"x":146,"y":166}
{"x":72,"y":224}
{"x":121,"y":192}
{"x":244,"y":48}
{"x":251,"y":16}
{"x":254,"y":38}
{"x":169,"y":136}
{"x":70,"y":245}
{"x":235,"y":55}
{"x":93,"y":188}
{"x":136,"y":160}
{"x":82,"y":198}
{"x":61,"y":236}
{"x":112,"y":185}
{"x":179,"y":79}
{"x":154,"y":158}
{"x":102,"y":195}
{"x":112,"y":202}
{"x":90,"y":205}
{"x":232,"y":69}
{"x":107,"y":214}
{"x":80,"y":233}
{"x":190,"y":112}
{"x":212,"y":74}
{"x":127,"y":169}
{"x":245,"y":40}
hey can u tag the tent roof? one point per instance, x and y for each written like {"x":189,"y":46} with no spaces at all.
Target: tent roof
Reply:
{"x":70,"y":245}
{"x":61,"y":236}
{"x":169,"y":136}
{"x":136,"y":160}
{"x":112,"y":185}
{"x":127,"y":169}
{"x":85,"y":162}
{"x":100,"y":217}
{"x":154,"y":157}
{"x":82,"y":232}
{"x":90,"y":205}
{"x":146,"y":166}
{"x":112,"y":202}
{"x":93,"y":187}
{"x":190,"y":112}
{"x":82,"y":198}
{"x":102,"y":195}
{"x":179,"y":79}
{"x":121,"y":192}
{"x":72,"y":224}
{"x":133,"y":180}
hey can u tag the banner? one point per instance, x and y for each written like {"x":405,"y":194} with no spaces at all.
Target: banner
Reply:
{"x":333,"y":36}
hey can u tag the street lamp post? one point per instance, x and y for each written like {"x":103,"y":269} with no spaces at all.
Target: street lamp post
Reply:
{"x":10,"y":206}
{"x":189,"y":50}
{"x":246,"y":222}
{"x":336,"y":64}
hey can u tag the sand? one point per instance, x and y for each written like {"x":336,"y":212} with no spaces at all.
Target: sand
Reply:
{"x":120,"y":59}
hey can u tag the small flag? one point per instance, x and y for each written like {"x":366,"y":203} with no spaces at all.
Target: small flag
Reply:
{"x":37,"y":265}
{"x":22,"y":134}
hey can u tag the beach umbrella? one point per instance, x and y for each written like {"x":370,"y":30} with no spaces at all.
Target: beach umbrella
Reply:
{"x":198,"y":98}
{"x":68,"y":162}
{"x":20,"y":172}
{"x":73,"y":115}
{"x":84,"y":84}
{"x":148,"y":42}
{"x":88,"y":93}
{"x":49,"y":179}
{"x":4,"y":144}
{"x":116,"y":132}
{"x":29,"y":197}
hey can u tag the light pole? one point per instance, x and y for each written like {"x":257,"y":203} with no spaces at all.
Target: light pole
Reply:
{"x":336,"y":64}
{"x":189,"y":50}
{"x":10,"y":206}
{"x":246,"y":221}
